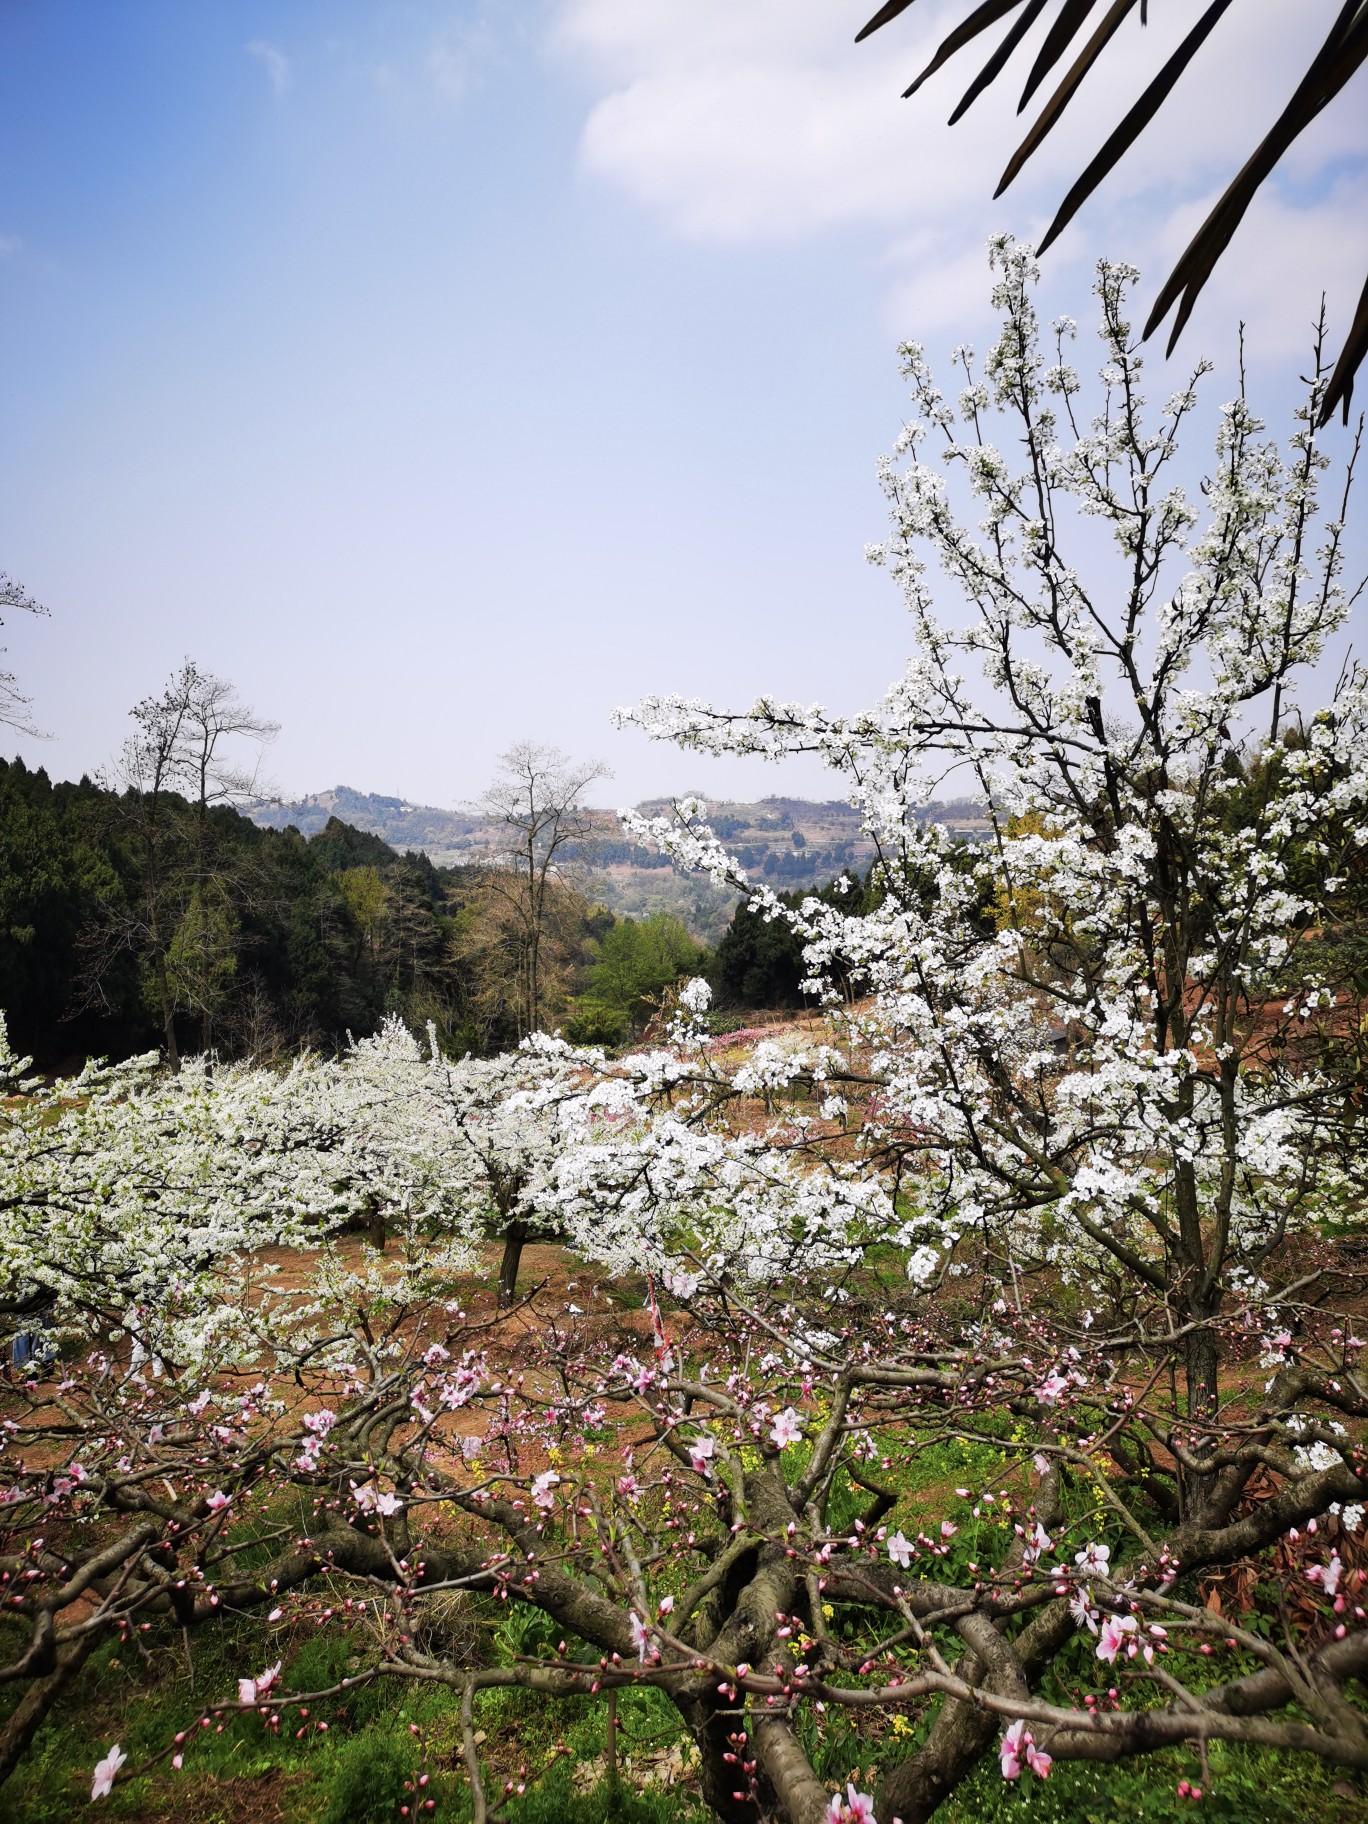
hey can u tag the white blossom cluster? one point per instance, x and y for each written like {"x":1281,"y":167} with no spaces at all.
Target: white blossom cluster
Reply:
{"x":1094,"y":1030}
{"x":158,"y":1204}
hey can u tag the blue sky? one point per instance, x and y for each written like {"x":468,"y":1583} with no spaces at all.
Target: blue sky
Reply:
{"x":446,"y":374}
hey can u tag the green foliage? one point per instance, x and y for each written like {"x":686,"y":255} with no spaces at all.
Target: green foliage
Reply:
{"x":637,"y":962}
{"x":271,"y":941}
{"x":523,"y":1633}
{"x":759,"y":962}
{"x":368,"y":1782}
{"x":554,"y":1800}
{"x":55,"y":877}
{"x":203,"y":956}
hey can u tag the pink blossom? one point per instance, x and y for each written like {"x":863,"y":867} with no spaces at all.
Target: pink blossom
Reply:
{"x":541,"y":1489}
{"x":855,"y":1808}
{"x":1050,"y":1389}
{"x":217,"y":1500}
{"x":948,"y":1529}
{"x":699,"y":1452}
{"x":1328,"y":1575}
{"x":1114,"y":1631}
{"x":250,"y":1690}
{"x":1094,"y":1560}
{"x":1018,"y":1749}
{"x":900,"y":1549}
{"x":1012,"y":1751}
{"x":786,"y":1429}
{"x":641,"y":1635}
{"x":1085,"y":1616}
{"x":370,"y":1501}
{"x":105,"y":1771}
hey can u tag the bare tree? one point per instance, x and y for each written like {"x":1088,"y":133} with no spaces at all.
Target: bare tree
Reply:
{"x":536,"y":805}
{"x":181,"y":757}
{"x":14,"y":705}
{"x":489,"y":943}
{"x":151,"y":769}
{"x":216,"y":723}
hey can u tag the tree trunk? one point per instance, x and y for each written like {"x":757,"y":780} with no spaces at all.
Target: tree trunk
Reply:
{"x":168,"y":1011}
{"x":800,"y":1793}
{"x":514,"y":1237}
{"x":375,"y":1226}
{"x":723,"y":1788}
{"x":611,"y":1750}
{"x":27,"y":1718}
{"x":1202,"y":1365}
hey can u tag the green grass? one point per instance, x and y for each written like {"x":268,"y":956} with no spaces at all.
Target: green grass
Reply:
{"x":380,"y":1738}
{"x":383,"y":1736}
{"x":1247,"y":1786}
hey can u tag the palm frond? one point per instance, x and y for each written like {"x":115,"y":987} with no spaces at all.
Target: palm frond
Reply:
{"x":1135,"y":121}
{"x":984,"y":15}
{"x":1055,"y":106}
{"x":1073,"y":15}
{"x":1331,"y":67}
{"x":995,"y":64}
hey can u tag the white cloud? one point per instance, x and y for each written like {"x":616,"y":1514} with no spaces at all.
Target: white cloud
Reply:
{"x":742,"y":124}
{"x":273,"y":61}
{"x":1279,"y":264}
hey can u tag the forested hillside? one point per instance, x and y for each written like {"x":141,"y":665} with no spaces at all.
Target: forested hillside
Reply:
{"x":115,"y":918}
{"x":268,"y":939}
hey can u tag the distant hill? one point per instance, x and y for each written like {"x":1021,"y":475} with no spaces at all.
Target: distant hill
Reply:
{"x":445,"y":837}
{"x":787,"y":842}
